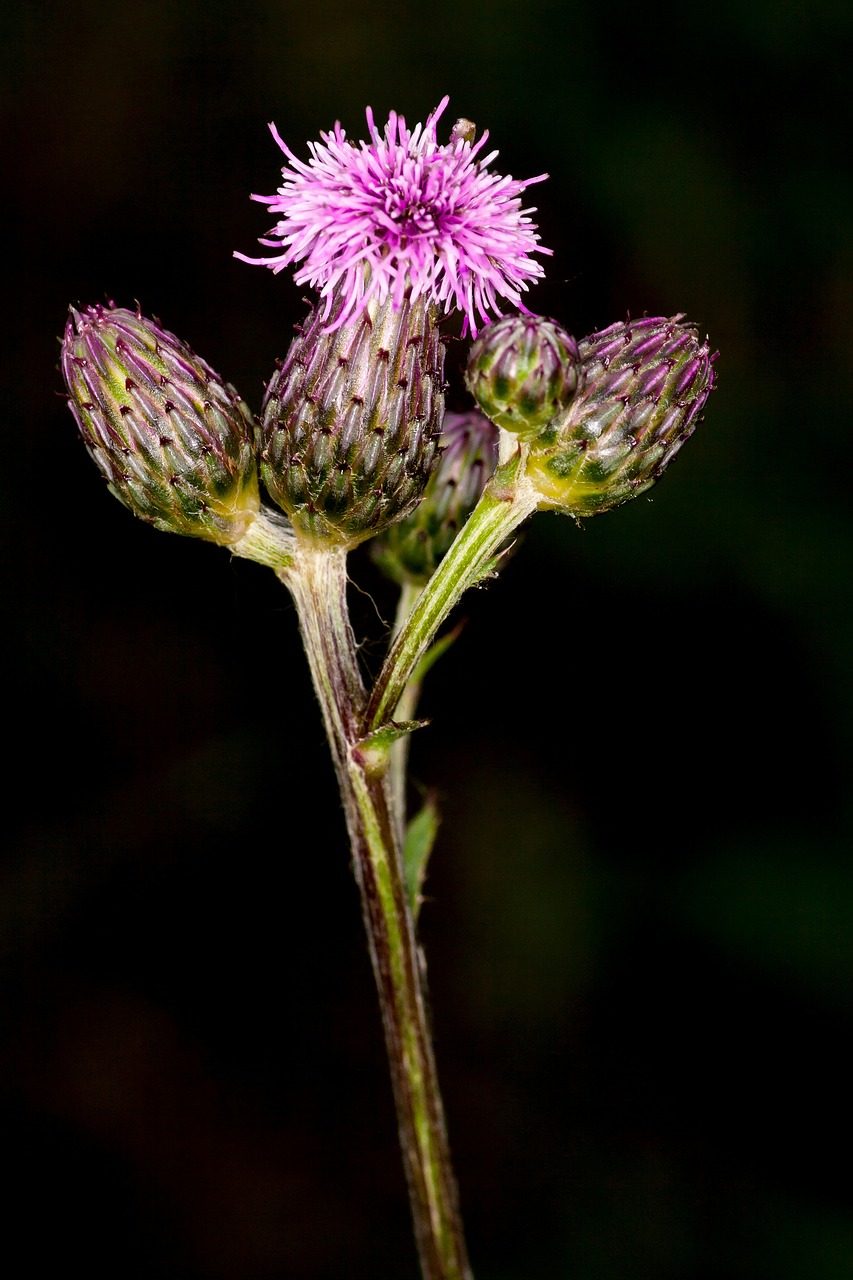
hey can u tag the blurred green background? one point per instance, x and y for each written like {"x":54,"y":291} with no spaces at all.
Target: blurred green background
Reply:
{"x":639,"y":925}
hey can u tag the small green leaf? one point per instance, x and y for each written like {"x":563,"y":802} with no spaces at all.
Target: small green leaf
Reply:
{"x":420,"y":837}
{"x":434,"y":652}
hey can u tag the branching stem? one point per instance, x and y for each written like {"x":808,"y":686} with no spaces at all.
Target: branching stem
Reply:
{"x":373,"y":797}
{"x":317,"y":581}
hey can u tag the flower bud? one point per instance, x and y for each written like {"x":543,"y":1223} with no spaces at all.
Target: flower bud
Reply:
{"x":522,"y":371}
{"x":351,"y":419}
{"x":172,"y":440}
{"x":411,"y":549}
{"x":644,"y":386}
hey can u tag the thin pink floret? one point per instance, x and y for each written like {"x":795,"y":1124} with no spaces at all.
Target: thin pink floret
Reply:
{"x":371,"y":220}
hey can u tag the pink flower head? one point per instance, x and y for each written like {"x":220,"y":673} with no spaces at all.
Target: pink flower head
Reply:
{"x":373,"y":219}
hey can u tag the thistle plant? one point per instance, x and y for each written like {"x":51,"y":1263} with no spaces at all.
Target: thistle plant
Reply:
{"x":395,"y":234}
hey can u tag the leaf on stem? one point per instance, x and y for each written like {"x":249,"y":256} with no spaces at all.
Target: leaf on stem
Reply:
{"x":420,"y":838}
{"x":434,"y":652}
{"x":373,"y":748}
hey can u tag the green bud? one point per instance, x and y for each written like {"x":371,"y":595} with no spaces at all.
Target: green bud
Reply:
{"x":522,"y":370}
{"x":173,"y":441}
{"x":644,"y":386}
{"x":411,"y":549}
{"x":351,"y":419}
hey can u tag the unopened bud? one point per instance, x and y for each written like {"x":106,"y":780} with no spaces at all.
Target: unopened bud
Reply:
{"x":350,"y":424}
{"x":522,"y":371}
{"x":644,"y":386}
{"x":173,"y":441}
{"x":411,"y":549}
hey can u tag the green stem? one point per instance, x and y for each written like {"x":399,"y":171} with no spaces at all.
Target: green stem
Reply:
{"x":317,"y":581}
{"x":406,"y":708}
{"x":506,"y":502}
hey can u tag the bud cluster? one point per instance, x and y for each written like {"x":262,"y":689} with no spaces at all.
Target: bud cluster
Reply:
{"x":349,"y":434}
{"x":601,"y":419}
{"x":173,"y":440}
{"x":643,"y":388}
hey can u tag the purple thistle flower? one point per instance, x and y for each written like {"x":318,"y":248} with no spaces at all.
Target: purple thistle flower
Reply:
{"x":402,"y":211}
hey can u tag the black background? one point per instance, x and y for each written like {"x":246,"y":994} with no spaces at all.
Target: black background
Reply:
{"x":639,"y":917}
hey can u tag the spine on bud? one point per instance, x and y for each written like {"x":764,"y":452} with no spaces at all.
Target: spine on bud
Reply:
{"x":173,"y":441}
{"x":643,"y":388}
{"x":350,"y":424}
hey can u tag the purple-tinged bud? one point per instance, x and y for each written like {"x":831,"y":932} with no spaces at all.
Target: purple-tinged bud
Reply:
{"x":351,"y":419}
{"x":522,"y":371}
{"x":411,"y":549}
{"x":172,"y":440}
{"x":643,"y":388}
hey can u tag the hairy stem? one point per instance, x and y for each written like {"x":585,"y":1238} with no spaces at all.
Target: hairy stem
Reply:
{"x":317,"y":581}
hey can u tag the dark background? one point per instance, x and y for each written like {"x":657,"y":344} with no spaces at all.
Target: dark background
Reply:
{"x":639,"y":926}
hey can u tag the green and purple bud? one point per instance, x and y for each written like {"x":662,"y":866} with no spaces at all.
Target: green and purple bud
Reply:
{"x":644,"y":385}
{"x":351,"y":419}
{"x":410,"y":550}
{"x":522,"y":371}
{"x":172,"y":440}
